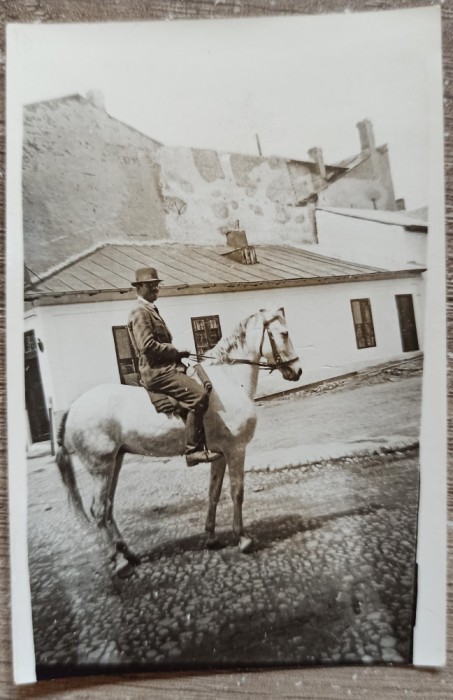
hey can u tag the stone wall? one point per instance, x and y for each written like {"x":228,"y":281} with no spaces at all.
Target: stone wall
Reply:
{"x":206,"y":193}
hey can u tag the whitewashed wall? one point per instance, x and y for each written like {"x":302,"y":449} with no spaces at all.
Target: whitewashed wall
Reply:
{"x":369,"y":242}
{"x":80,"y":353}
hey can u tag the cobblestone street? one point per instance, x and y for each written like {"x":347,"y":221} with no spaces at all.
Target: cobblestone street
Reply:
{"x":330,"y":577}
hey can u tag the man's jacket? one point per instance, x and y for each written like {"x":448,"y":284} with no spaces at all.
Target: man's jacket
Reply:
{"x":152,"y":343}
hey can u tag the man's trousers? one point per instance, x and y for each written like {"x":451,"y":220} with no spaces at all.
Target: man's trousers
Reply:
{"x":191,"y":396}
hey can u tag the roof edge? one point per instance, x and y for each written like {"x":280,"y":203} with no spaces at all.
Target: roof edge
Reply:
{"x":57,"y":298}
{"x":67,"y":263}
{"x":416,"y":226}
{"x":88,"y":251}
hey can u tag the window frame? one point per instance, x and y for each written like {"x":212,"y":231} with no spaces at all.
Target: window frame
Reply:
{"x":365,"y":334}
{"x":200,"y":350}
{"x":132,"y":357}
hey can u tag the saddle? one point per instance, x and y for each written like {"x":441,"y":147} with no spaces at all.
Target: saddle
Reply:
{"x":167,"y":404}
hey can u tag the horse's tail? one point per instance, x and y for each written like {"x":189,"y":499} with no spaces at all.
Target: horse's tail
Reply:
{"x":66,"y":469}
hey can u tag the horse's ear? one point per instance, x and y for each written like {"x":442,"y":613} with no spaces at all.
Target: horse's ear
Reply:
{"x":282,"y":311}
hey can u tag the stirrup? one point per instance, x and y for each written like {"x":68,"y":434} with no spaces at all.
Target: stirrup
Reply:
{"x":202,"y":456}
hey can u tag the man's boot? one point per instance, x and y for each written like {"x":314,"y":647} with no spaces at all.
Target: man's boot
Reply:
{"x":196,"y":451}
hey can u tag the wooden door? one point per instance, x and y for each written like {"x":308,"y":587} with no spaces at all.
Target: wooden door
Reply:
{"x":408,"y":328}
{"x":35,"y":403}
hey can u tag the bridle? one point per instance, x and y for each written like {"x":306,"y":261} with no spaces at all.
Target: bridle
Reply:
{"x":278,"y":362}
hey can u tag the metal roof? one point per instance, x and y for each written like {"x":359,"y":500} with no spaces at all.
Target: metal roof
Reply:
{"x":113,"y":267}
{"x":394,"y":218}
{"x":106,"y":273}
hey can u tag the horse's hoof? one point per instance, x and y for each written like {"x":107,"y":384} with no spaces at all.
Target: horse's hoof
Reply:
{"x":245,"y":544}
{"x":124,"y":550}
{"x":212,"y":542}
{"x":123,"y":569}
{"x":133,"y":559}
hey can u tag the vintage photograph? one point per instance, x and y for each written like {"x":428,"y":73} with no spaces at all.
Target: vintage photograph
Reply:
{"x":225,"y":230}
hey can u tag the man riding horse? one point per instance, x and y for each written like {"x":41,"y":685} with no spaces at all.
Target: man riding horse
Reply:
{"x":160,"y":366}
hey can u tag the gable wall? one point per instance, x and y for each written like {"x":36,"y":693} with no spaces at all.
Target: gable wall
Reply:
{"x":371,"y":180}
{"x":87,"y":179}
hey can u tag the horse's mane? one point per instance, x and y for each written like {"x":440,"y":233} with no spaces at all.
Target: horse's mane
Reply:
{"x":235,"y":340}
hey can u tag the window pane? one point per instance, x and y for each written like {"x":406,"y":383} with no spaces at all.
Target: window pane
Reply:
{"x":356,"y":312}
{"x":122,"y":342}
{"x":127,"y":366}
{"x":30,"y":341}
{"x":366,"y":311}
{"x":206,"y":333}
{"x":369,"y":335}
{"x":361,"y":342}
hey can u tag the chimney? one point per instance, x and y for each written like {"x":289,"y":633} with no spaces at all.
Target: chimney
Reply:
{"x":96,"y":98}
{"x":316,"y":155}
{"x":236,"y":238}
{"x":241,"y":251}
{"x":365,"y":128}
{"x":400,"y":204}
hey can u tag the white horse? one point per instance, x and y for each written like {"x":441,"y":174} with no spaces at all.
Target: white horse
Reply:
{"x":110,"y":420}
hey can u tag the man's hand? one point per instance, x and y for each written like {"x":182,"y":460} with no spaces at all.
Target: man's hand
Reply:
{"x":184,"y":353}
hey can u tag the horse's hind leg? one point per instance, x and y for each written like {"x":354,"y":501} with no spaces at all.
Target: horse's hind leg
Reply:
{"x":104,"y":472}
{"x":236,"y":472}
{"x":215,"y":489}
{"x":121,"y":547}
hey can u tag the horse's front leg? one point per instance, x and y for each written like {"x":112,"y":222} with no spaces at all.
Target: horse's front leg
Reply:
{"x":236,"y":472}
{"x":215,"y":489}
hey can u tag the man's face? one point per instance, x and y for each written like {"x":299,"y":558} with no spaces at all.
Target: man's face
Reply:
{"x":149,"y":291}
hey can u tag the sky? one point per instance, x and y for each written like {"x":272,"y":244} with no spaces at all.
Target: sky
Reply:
{"x":297,"y":82}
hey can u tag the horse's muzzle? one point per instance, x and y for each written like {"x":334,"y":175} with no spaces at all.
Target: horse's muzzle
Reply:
{"x":292,"y":373}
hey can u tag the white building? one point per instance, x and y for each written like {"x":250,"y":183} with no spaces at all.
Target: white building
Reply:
{"x":394,"y":240}
{"x":342,"y":316}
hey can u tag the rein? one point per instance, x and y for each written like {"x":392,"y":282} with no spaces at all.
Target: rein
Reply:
{"x":278,"y":362}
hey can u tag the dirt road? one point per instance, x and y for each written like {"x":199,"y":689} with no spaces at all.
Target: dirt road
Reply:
{"x":330,"y":577}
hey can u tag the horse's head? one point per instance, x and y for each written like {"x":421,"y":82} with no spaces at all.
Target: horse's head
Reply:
{"x":276,"y":345}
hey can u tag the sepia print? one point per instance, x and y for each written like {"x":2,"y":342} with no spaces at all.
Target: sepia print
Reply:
{"x":225,"y":279}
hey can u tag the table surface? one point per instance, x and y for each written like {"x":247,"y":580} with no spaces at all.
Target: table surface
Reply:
{"x":342,"y":682}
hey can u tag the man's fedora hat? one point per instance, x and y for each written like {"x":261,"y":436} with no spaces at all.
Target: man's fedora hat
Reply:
{"x":146,"y":274}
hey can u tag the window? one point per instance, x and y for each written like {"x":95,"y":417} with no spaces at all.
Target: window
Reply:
{"x":363,"y":323}
{"x":206,"y":333}
{"x":30,"y":344}
{"x":125,"y":356}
